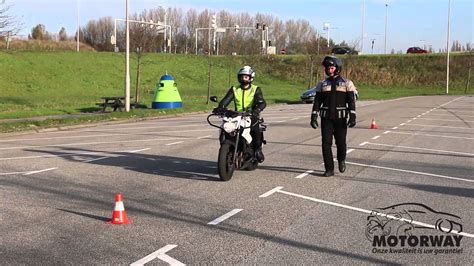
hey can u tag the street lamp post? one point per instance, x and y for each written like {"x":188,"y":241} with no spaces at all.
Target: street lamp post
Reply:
{"x":447,"y":47}
{"x":362,"y":34}
{"x":127,"y":60}
{"x":386,"y":13}
{"x":78,"y":28}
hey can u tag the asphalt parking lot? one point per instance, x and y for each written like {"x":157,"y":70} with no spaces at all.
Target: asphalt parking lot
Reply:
{"x":406,"y":197}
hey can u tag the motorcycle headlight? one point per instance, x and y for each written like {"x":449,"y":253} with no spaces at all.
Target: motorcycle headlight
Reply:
{"x":229,"y":127}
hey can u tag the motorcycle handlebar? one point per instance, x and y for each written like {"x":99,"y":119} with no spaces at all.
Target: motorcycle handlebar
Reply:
{"x":232,"y":114}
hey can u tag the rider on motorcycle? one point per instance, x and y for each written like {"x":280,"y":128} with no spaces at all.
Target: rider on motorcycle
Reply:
{"x":247,"y":97}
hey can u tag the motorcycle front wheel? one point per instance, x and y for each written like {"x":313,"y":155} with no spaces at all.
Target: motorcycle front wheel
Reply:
{"x":225,"y":162}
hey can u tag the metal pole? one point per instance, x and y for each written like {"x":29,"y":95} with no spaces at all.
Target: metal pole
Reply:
{"x":78,"y":28}
{"x":447,"y":47}
{"x":166,"y":41}
{"x":115,"y":35}
{"x":386,"y":12}
{"x":362,"y":36}
{"x":196,"y":41}
{"x":127,"y":60}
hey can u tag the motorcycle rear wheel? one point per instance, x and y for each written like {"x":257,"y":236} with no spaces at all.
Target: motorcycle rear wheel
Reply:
{"x":225,"y":162}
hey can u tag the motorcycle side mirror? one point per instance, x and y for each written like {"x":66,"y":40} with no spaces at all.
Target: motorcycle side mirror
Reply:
{"x":213,"y":99}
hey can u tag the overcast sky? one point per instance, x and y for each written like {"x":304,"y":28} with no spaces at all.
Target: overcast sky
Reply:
{"x":410,"y":22}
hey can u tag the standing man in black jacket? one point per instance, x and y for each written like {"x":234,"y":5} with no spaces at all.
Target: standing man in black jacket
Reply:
{"x":247,"y":97}
{"x":334,"y":102}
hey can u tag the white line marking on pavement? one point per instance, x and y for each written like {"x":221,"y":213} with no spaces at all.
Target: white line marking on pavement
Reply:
{"x":425,"y":149}
{"x":386,"y":132}
{"x":40,"y":171}
{"x":224,"y":217}
{"x":449,"y":120}
{"x":160,"y":254}
{"x":414,"y":118}
{"x":349,"y":151}
{"x":203,"y":137}
{"x":304,"y":174}
{"x":418,"y":116}
{"x":452,"y":115}
{"x":408,"y":121}
{"x":422,"y":125}
{"x":370,"y":212}
{"x":376,"y":137}
{"x":394,"y":127}
{"x":89,"y":143}
{"x":268,"y":193}
{"x":363,"y":143}
{"x":95,"y":159}
{"x":402,"y":124}
{"x":105,"y":157}
{"x":412,"y":172}
{"x":174,"y":143}
{"x":429,"y":135}
{"x":63,"y":155}
{"x":27,"y":172}
{"x":100,"y":135}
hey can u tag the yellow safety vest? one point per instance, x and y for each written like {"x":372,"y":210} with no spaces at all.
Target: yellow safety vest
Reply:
{"x":243,"y":99}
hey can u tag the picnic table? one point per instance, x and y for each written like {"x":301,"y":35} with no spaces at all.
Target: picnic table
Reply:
{"x":115,"y":102}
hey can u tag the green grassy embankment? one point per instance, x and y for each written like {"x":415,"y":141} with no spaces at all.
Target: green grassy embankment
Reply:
{"x":52,"y":83}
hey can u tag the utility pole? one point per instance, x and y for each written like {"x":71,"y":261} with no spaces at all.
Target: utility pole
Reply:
{"x":447,"y":47}
{"x":78,"y":28}
{"x":386,"y":13}
{"x":362,"y":34}
{"x":127,"y":60}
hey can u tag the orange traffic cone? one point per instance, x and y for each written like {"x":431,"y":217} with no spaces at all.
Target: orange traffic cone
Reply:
{"x":119,"y":216}
{"x":373,"y":125}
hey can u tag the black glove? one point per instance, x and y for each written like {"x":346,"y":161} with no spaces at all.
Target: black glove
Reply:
{"x":255,"y":112}
{"x":352,"y":120}
{"x":314,"y":120}
{"x":218,"y":110}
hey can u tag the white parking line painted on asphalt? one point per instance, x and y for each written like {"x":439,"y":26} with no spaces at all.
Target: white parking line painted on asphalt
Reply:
{"x":105,"y":157}
{"x":394,"y":127}
{"x":296,"y":118}
{"x":451,"y":115}
{"x":408,"y":121}
{"x":412,"y":172}
{"x":422,"y":125}
{"x":134,"y":132}
{"x":335,"y":204}
{"x":305,"y":174}
{"x":159,"y":254}
{"x":414,"y":118}
{"x":174,"y":143}
{"x":376,"y":137}
{"x":363,"y":143}
{"x":448,"y":120}
{"x":62,"y":155}
{"x":349,"y":151}
{"x":40,"y":171}
{"x":402,"y":124}
{"x":386,"y":132}
{"x":28,"y":172}
{"x":424,"y":149}
{"x":224,"y":217}
{"x":203,"y":137}
{"x":427,"y":135}
{"x":89,"y":143}
{"x":418,"y":116}
{"x":270,"y":192}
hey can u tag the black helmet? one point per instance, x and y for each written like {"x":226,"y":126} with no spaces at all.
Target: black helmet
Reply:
{"x":331,"y":60}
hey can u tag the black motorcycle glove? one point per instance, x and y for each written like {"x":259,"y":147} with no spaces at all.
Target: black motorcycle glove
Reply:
{"x":218,"y":110}
{"x":256,"y":112}
{"x":352,"y":120}
{"x":314,"y":120}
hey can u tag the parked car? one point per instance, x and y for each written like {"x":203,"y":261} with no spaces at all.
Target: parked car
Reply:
{"x":343,"y":50}
{"x":308,"y":96}
{"x":416,"y":50}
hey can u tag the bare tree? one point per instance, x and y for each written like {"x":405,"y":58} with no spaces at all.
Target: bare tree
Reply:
{"x":8,"y":23}
{"x":98,"y":33}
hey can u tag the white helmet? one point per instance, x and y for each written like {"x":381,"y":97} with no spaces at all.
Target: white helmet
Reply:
{"x":246,"y":70}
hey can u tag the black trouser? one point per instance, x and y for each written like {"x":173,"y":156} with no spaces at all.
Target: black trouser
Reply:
{"x":257,"y":136}
{"x":338,"y":128}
